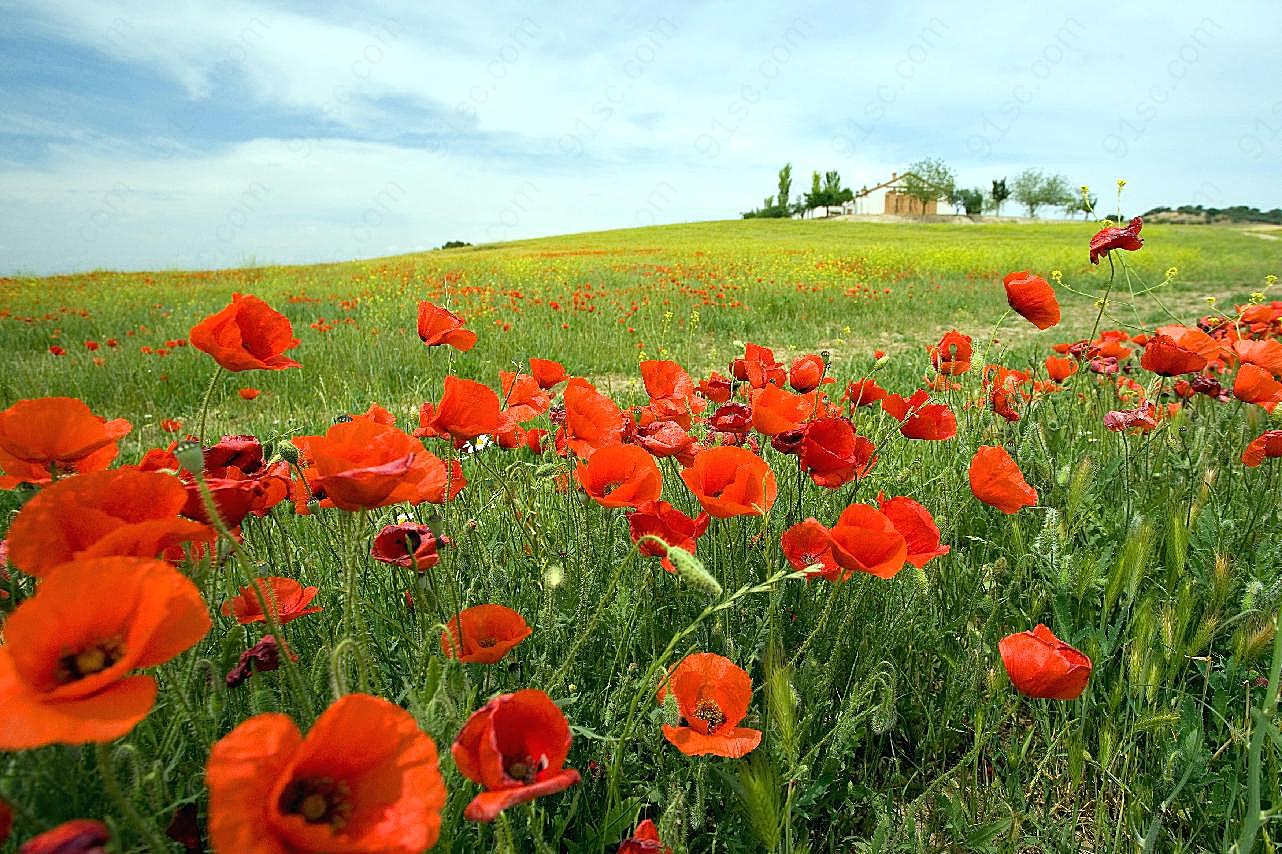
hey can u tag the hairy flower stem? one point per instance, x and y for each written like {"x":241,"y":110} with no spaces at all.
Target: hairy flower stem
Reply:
{"x":1103,"y":302}
{"x":204,"y":406}
{"x":269,"y":608}
{"x":155,"y":842}
{"x":597,"y":614}
{"x":1264,"y":726}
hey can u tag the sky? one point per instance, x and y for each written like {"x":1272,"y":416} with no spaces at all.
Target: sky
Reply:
{"x":216,"y":133}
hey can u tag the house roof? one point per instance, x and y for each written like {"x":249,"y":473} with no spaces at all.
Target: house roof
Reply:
{"x":896,"y":179}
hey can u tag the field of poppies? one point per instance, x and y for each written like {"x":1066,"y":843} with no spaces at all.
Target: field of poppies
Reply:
{"x":752,"y":536}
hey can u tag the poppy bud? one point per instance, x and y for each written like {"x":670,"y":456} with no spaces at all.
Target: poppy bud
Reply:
{"x":190,"y":455}
{"x":288,"y":453}
{"x":691,"y":569}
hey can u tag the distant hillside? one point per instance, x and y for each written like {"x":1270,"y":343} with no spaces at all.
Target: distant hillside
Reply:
{"x":1196,"y":214}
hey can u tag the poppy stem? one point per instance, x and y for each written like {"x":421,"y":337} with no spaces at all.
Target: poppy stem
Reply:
{"x":592,"y":623}
{"x":270,"y":608}
{"x":1264,"y":726}
{"x":110,"y":782}
{"x":204,"y":406}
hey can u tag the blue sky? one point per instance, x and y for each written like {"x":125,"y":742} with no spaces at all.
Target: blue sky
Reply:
{"x":233,"y":132}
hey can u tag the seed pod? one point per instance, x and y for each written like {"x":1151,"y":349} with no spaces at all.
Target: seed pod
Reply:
{"x":691,"y":569}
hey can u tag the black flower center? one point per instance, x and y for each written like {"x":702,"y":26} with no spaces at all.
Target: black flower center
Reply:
{"x":524,"y":769}
{"x":90,"y":660}
{"x":710,"y":713}
{"x":319,"y":800}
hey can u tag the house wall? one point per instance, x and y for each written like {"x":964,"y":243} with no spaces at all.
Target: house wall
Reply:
{"x":900,"y":204}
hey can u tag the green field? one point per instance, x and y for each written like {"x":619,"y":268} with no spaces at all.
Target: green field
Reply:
{"x":890,"y":723}
{"x":795,"y":286}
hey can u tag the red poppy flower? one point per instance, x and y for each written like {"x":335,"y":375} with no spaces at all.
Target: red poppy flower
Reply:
{"x":1162,"y":355}
{"x":592,"y":420}
{"x":733,"y":417}
{"x":54,"y":435}
{"x":438,"y":325}
{"x":1043,"y":666}
{"x":917,"y":527}
{"x":715,"y":388}
{"x":1033,"y":298}
{"x":1060,"y":369}
{"x":409,"y":545}
{"x":235,"y":494}
{"x":362,"y":464}
{"x":758,"y":367}
{"x":55,"y":350}
{"x":952,"y":355}
{"x":807,"y":373}
{"x":1188,"y":338}
{"x":262,"y":657}
{"x":1108,"y":239}
{"x":666,"y":439}
{"x":1001,"y":400}
{"x":730,"y":481}
{"x":1265,"y":354}
{"x":69,"y":650}
{"x":467,"y":409}
{"x":996,"y":480}
{"x":672,"y":392}
{"x":247,"y":335}
{"x":122,"y":513}
{"x":171,"y":425}
{"x":833,"y":454}
{"x":6,"y":821}
{"x":249,"y":393}
{"x":489,"y":633}
{"x":776,"y":410}
{"x":1254,"y":384}
{"x":660,"y":519}
{"x":515,"y":746}
{"x":920,"y":419}
{"x":243,"y":452}
{"x":78,"y":836}
{"x":864,"y":392}
{"x":523,"y":397}
{"x":807,"y":544}
{"x":287,"y":599}
{"x":865,"y":540}
{"x":644,"y":840}
{"x":1267,"y":444}
{"x":364,"y":778}
{"x":1143,"y":418}
{"x":713,"y":694}
{"x":547,"y":372}
{"x":620,"y":476}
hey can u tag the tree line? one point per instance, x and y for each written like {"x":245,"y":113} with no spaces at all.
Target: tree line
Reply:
{"x":931,"y":180}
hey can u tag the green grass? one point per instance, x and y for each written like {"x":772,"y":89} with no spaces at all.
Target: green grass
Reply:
{"x":889,"y":722}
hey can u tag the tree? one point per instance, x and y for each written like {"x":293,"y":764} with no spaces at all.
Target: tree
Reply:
{"x":1083,"y":203}
{"x":1033,"y":190}
{"x":785,"y":185}
{"x":829,"y":193}
{"x":998,"y":196}
{"x":971,"y":201}
{"x":929,"y":180}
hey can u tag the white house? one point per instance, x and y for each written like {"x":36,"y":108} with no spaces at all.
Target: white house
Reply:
{"x":889,"y":197}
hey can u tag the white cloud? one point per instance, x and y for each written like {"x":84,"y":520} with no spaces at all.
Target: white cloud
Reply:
{"x":494,"y":122}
